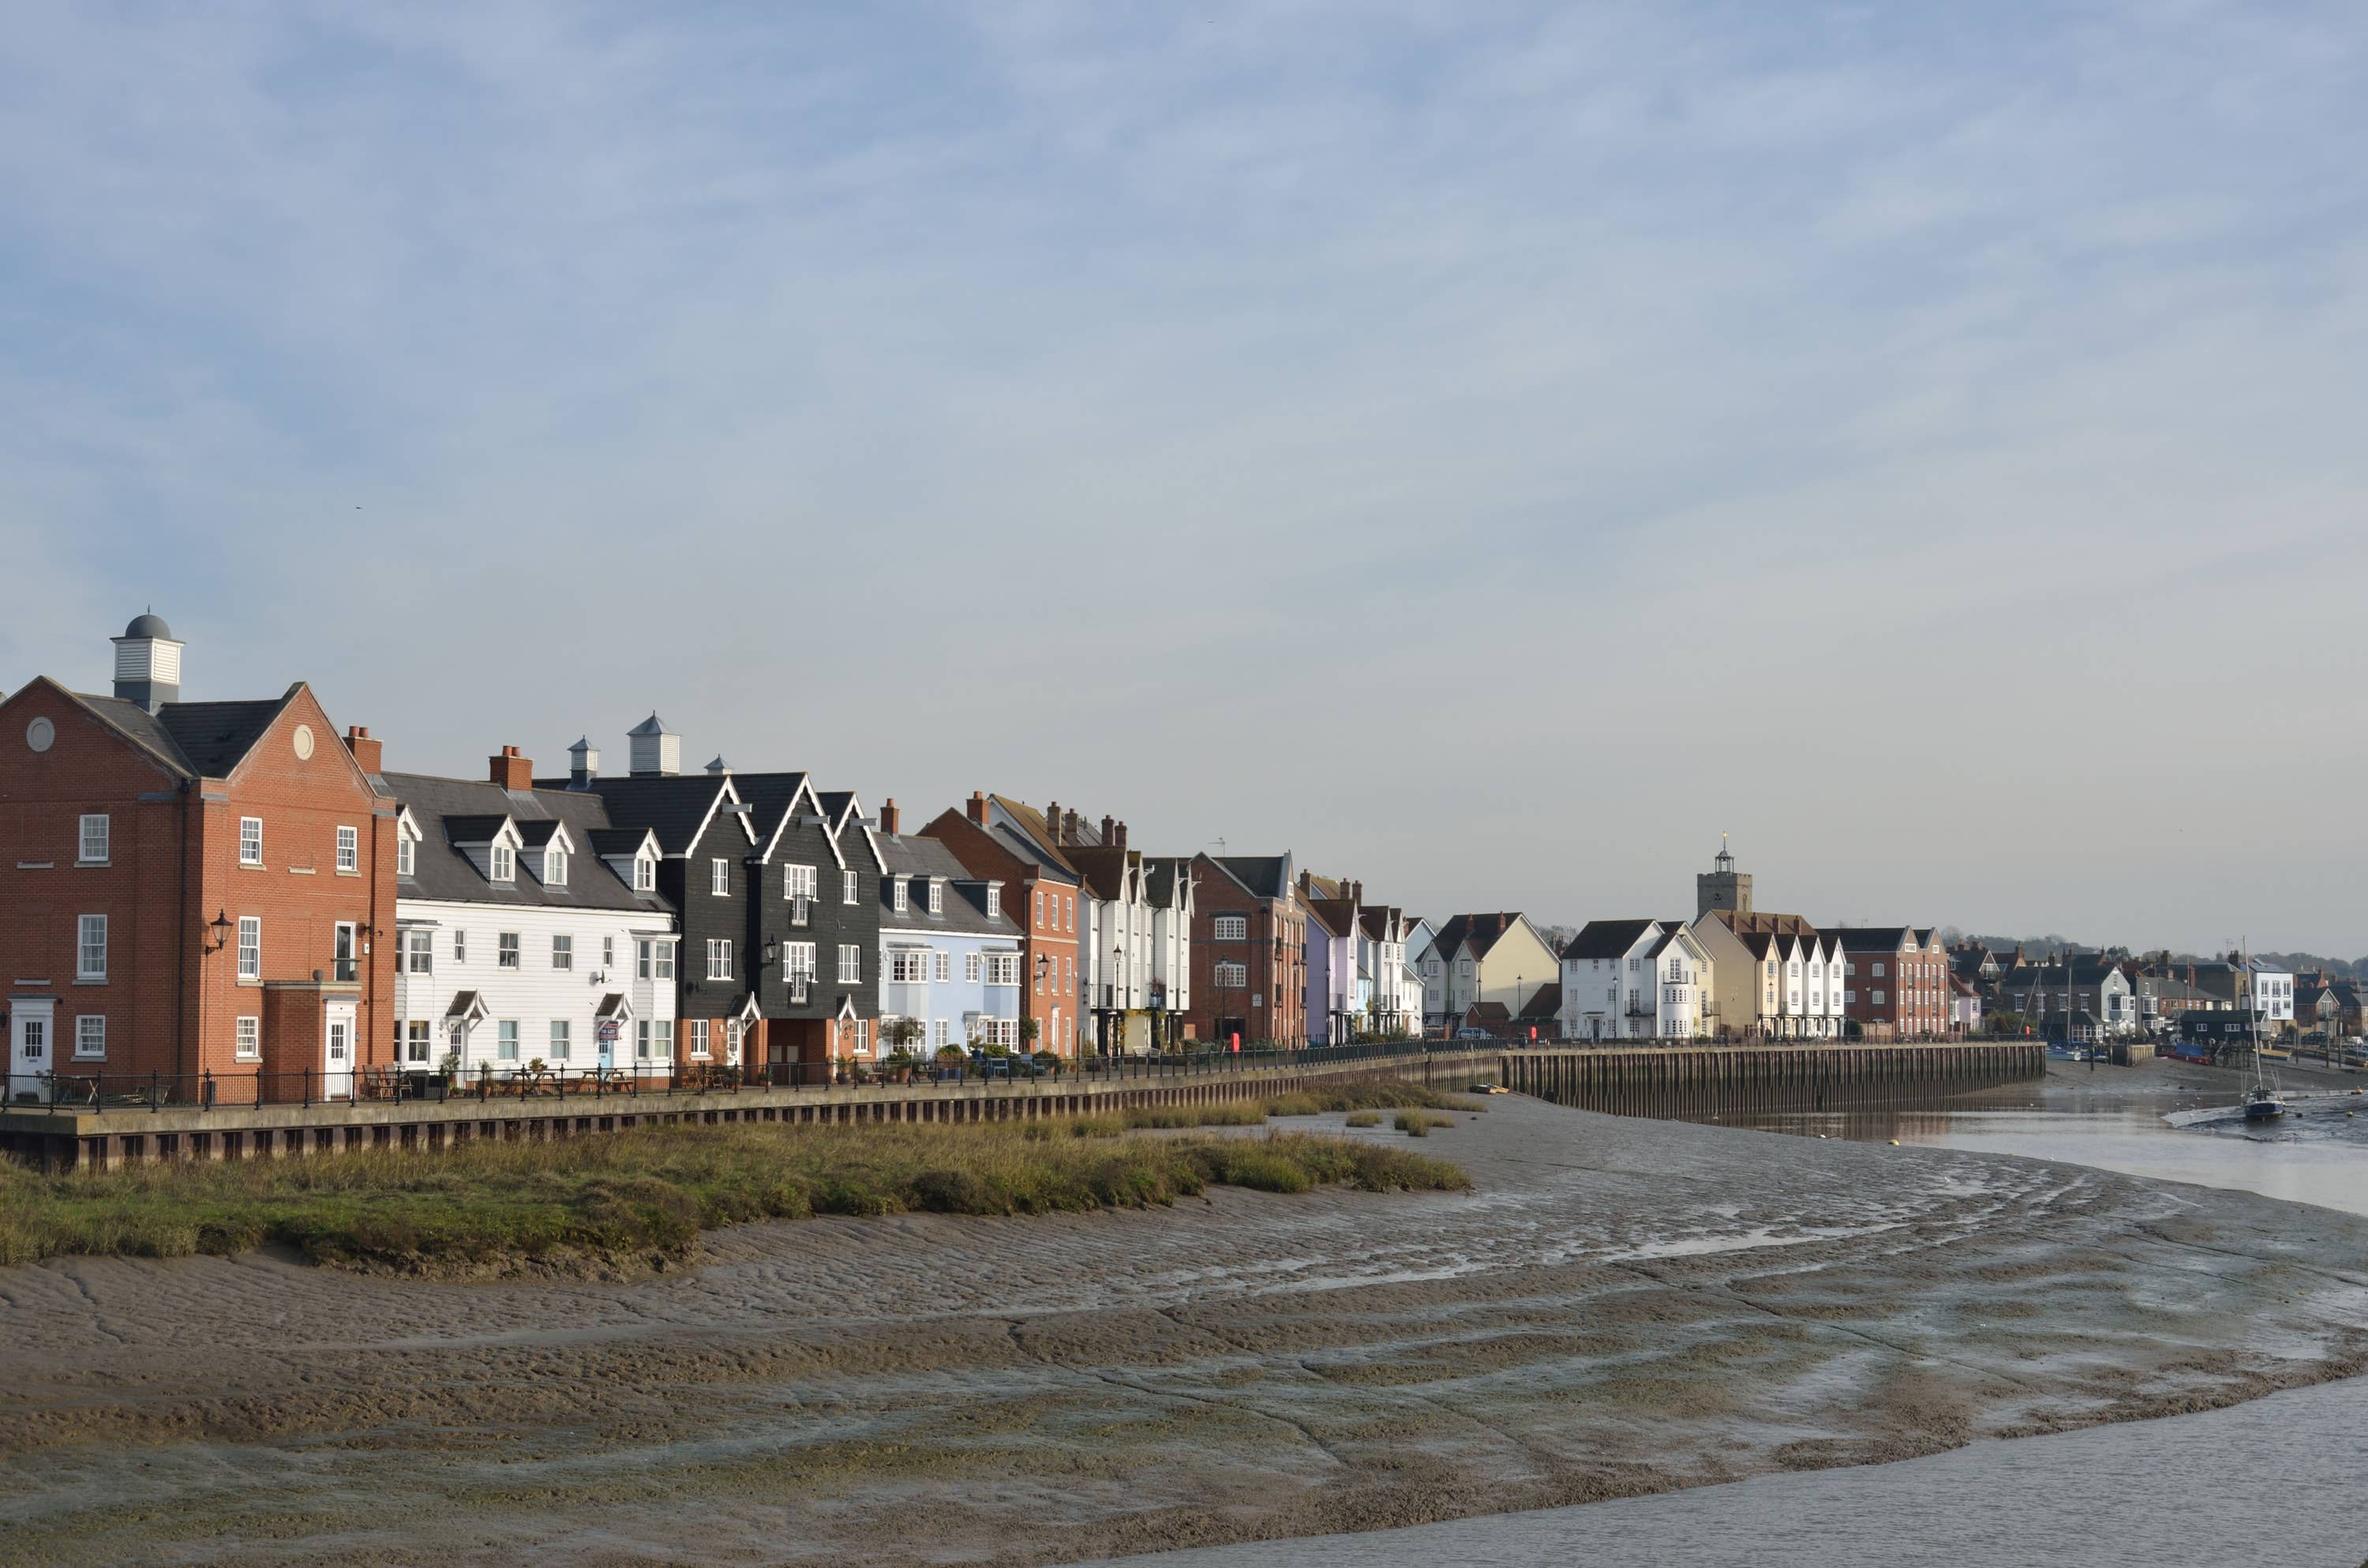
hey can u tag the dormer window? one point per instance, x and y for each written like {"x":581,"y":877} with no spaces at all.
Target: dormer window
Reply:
{"x":504,"y":863}
{"x":901,"y":894}
{"x":402,"y":860}
{"x":645,"y":874}
{"x":936,"y":895}
{"x":554,"y":867}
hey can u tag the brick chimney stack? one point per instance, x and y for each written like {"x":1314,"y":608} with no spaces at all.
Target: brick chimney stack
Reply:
{"x":978,"y":807}
{"x":1069,"y":827}
{"x":510,"y":770}
{"x":888,"y":816}
{"x":1052,"y":819}
{"x":1121,"y":837}
{"x":367,"y":752}
{"x":1109,"y":830}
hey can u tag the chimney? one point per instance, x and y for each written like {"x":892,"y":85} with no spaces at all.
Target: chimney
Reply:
{"x":656,"y":752}
{"x":1121,"y":837}
{"x":1306,"y":883}
{"x":583,"y":764}
{"x":367,"y":752}
{"x":510,"y":770}
{"x":978,"y":807}
{"x":888,"y":816}
{"x":1069,"y":827}
{"x":1357,"y":892}
{"x":1109,"y":830}
{"x":1052,"y":819}
{"x":148,"y":663}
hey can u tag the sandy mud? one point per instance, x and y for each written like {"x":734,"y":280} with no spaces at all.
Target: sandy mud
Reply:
{"x":1622,"y":1306}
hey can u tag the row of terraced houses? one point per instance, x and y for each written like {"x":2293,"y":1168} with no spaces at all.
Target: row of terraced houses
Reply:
{"x":196,"y":889}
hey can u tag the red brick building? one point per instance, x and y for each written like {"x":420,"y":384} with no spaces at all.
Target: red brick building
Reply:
{"x":191,"y":888}
{"x":1005,"y":840}
{"x":1250,"y":951}
{"x":1895,"y":981}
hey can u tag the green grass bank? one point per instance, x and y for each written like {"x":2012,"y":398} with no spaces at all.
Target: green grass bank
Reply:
{"x":649,"y":1192}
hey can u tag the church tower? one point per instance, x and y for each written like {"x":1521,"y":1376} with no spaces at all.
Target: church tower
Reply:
{"x":1723,"y":887}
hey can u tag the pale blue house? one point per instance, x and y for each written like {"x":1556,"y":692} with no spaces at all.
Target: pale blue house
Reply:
{"x":948,"y":956}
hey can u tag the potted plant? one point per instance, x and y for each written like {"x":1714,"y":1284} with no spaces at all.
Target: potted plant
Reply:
{"x":846,"y":1069}
{"x":1048,"y":1062}
{"x":900,"y":1064}
{"x":950,"y":1059}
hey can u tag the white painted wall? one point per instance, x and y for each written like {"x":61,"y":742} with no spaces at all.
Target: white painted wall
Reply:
{"x":535,"y":992}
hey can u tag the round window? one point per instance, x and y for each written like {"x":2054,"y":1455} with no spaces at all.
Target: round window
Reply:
{"x":41,"y":734}
{"x":303,"y":739}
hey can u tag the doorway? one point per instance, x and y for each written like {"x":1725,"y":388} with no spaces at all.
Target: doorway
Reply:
{"x":337,"y":1053}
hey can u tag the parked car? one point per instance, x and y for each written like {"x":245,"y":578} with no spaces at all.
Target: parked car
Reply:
{"x":1470,"y":1033}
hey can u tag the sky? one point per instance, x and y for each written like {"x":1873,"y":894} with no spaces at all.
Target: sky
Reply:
{"x":1488,"y":449}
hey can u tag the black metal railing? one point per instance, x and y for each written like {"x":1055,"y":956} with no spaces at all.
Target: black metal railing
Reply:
{"x":100,"y":1091}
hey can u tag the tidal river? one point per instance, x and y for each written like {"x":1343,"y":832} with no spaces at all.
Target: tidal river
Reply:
{"x":2276,"y":1480}
{"x":1622,"y":1307}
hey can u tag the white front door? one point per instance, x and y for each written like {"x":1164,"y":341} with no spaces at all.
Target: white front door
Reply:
{"x":31,"y":1045}
{"x":338,"y":1055}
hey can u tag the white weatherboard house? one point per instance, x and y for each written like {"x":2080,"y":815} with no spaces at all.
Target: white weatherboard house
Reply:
{"x":527,"y":929}
{"x":1634,"y":979}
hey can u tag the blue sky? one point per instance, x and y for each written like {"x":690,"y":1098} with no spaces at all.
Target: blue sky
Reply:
{"x":1486,"y":449}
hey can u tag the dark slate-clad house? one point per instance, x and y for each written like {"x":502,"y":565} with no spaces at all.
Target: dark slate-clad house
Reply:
{"x":704,"y":841}
{"x":815,"y":877}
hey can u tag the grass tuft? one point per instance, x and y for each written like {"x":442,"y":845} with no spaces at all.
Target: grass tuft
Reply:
{"x":1365,"y":1118}
{"x":1418,"y":1123}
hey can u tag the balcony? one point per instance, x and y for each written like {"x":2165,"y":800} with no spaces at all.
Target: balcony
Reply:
{"x":798,"y":986}
{"x":800,"y":911}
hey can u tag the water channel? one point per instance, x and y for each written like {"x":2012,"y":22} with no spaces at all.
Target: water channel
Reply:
{"x":2278,"y":1480}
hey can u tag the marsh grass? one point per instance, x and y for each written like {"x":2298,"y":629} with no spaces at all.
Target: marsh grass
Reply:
{"x":649,"y":1191}
{"x":1418,"y":1123}
{"x":1365,"y":1118}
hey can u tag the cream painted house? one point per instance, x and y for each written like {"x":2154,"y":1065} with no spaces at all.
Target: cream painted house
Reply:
{"x":1494,"y":958}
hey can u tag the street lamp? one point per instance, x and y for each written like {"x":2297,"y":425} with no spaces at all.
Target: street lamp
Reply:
{"x":219,"y":927}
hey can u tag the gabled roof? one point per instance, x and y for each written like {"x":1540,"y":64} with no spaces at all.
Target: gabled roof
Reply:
{"x":677,"y":809}
{"x":1030,"y":836}
{"x":1606,"y":938}
{"x":843,"y":812}
{"x":772,"y":801}
{"x":1105,"y":870}
{"x":453,"y":812}
{"x":1262,"y":876}
{"x":1480,"y":932}
{"x":1779,"y":924}
{"x":969,"y":911}
{"x":1872,"y":938}
{"x":204,"y":740}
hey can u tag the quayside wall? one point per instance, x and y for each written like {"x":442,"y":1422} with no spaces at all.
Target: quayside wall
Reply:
{"x":1644,"y":1079}
{"x":84,"y":1139}
{"x":1659,"y":1081}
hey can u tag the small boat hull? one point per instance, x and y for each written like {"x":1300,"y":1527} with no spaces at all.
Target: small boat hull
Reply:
{"x":2263,"y":1110}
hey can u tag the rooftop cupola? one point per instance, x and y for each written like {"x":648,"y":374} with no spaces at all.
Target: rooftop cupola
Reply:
{"x":717,"y":767}
{"x":583,"y":764}
{"x":656,"y":752}
{"x":148,"y":663}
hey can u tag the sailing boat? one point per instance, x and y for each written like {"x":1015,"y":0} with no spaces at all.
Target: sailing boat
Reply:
{"x":2262,"y":1102}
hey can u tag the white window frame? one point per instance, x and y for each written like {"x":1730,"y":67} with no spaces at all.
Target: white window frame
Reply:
{"x":554,"y":867}
{"x":420,"y":1040}
{"x":419,"y":951}
{"x":698,"y":1040}
{"x":406,"y":858}
{"x":719,"y":958}
{"x":900,"y":896}
{"x":1230,"y":928}
{"x":250,"y":946}
{"x":507,"y":1046}
{"x":798,"y":961}
{"x":909,"y":967}
{"x":507,"y":951}
{"x":90,"y":852}
{"x":645,"y":874}
{"x":664,"y":956}
{"x":944,"y":966}
{"x":349,"y":848}
{"x":247,"y":1039}
{"x":800,"y":881}
{"x":644,"y":959}
{"x":460,"y":946}
{"x":90,"y":937}
{"x":250,"y":841}
{"x":342,"y":934}
{"x":504,"y":863}
{"x":851,"y":888}
{"x":561,"y":1038}
{"x":973,"y":966}
{"x":607,"y":954}
{"x":1003,"y":969}
{"x":563,"y":950}
{"x":89,"y":1043}
{"x":936,"y":895}
{"x":719,"y":877}
{"x":1232,"y":976}
{"x":850,"y":962}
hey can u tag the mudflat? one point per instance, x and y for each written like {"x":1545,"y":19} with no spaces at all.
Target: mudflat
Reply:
{"x":1619,"y":1307}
